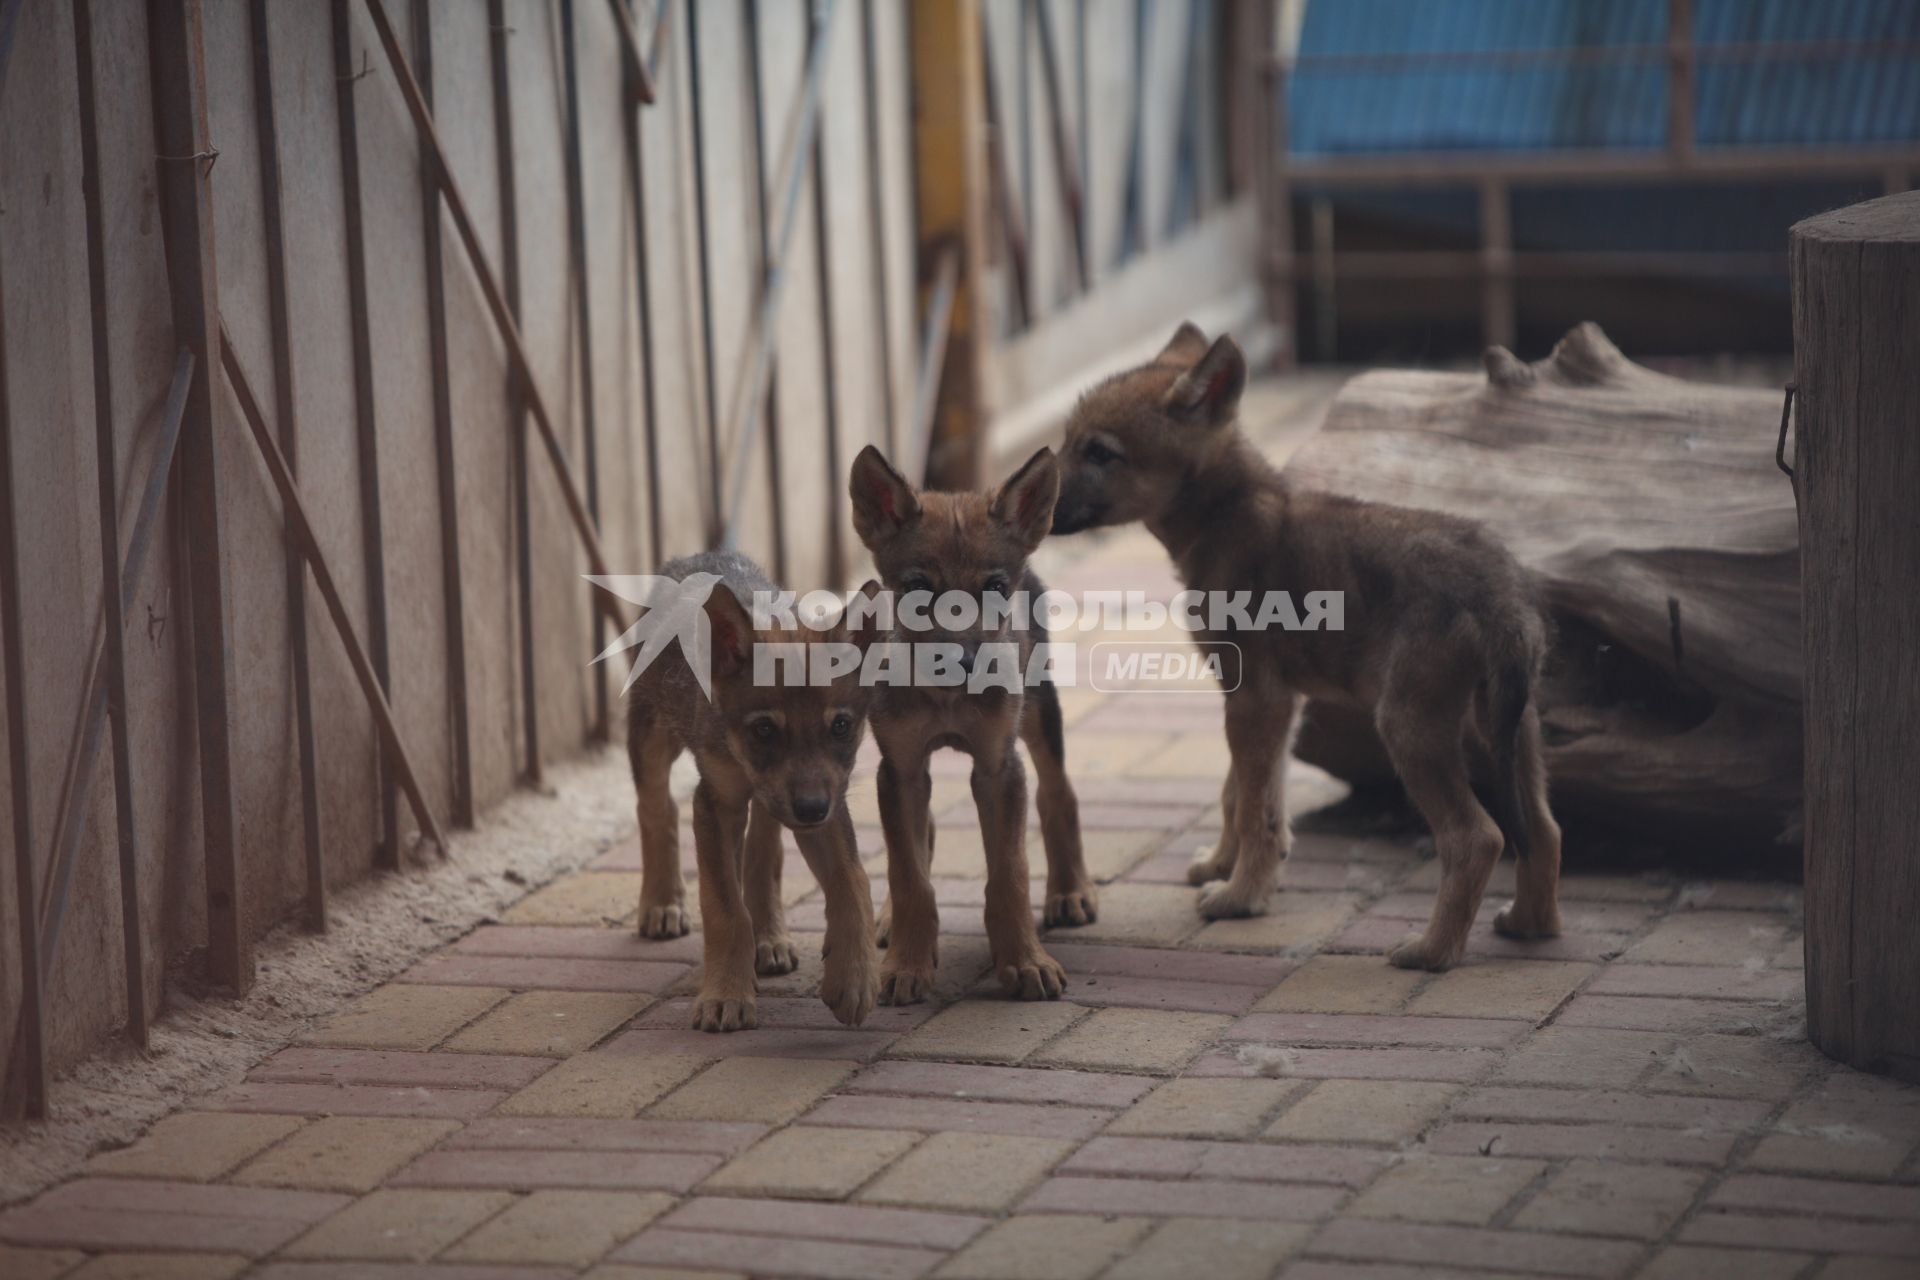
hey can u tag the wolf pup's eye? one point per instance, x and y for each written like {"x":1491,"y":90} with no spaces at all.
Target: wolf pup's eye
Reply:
{"x":842,"y":725}
{"x":996,"y":584}
{"x":915,"y":582}
{"x":765,"y":730}
{"x":1098,"y":454}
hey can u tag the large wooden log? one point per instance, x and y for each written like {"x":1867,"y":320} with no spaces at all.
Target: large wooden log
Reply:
{"x":1856,"y":278}
{"x":1651,"y":514}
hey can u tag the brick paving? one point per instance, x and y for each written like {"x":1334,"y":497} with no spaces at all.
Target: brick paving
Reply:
{"x":1236,"y":1099}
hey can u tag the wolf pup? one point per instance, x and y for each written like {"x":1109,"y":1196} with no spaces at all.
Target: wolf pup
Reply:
{"x":1442,"y":643}
{"x":780,"y":753}
{"x":976,"y":544}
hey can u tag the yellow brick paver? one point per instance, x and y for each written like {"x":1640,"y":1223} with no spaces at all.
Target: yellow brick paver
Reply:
{"x":1343,"y":984}
{"x":399,"y":1225}
{"x":344,"y":1153}
{"x":764,"y":1090}
{"x":195,"y":1145}
{"x":1211,"y":1247}
{"x":968,"y":1172}
{"x":588,"y":897}
{"x":1157,"y":915}
{"x":812,"y":1163}
{"x":987,"y":1030}
{"x":1137,"y":1039}
{"x":154,"y":1266}
{"x":608,"y":1085}
{"x":1293,"y":921}
{"x":1529,"y":989}
{"x":1049,"y":1246}
{"x":561,"y":1228}
{"x":1468,"y":1190}
{"x":556,"y":1024}
{"x":405,"y":1015}
{"x":1204,"y":1108}
{"x":1373,"y":1111}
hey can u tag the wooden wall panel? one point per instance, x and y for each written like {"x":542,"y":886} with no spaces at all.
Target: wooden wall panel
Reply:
{"x":304,"y":101}
{"x":43,"y":287}
{"x":463,"y":98}
{"x":559,"y":595}
{"x":265,"y":747}
{"x":866,"y":165}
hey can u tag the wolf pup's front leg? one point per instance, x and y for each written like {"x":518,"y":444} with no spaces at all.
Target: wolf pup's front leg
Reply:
{"x":726,"y":1001}
{"x":848,"y":984}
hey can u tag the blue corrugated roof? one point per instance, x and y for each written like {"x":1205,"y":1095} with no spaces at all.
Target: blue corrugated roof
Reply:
{"x":1859,"y":98}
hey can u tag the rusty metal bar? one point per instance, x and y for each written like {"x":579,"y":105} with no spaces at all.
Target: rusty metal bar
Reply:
{"x":499,"y":65}
{"x":26,"y":1091}
{"x":639,"y":66}
{"x":496,"y":304}
{"x":452,"y":584}
{"x":1133,"y":231}
{"x":346,"y":78}
{"x":1276,"y":189}
{"x":877,"y":238}
{"x":765,"y":337}
{"x":643,"y":287}
{"x":583,"y":343}
{"x":178,"y":55}
{"x":1006,"y":199}
{"x":133,"y":955}
{"x":273,"y":218}
{"x":1064,"y":158}
{"x":295,"y":513}
{"x":756,"y":108}
{"x":1680,"y":63}
{"x":79,"y":781}
{"x":933,"y":360}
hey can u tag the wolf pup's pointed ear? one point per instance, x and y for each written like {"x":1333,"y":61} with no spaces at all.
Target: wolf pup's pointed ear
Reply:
{"x":1025,"y":502}
{"x":1209,"y":393}
{"x":1187,"y":345}
{"x":731,"y":629}
{"x":883,"y":501}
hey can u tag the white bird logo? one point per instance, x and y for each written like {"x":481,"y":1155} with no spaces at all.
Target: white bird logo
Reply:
{"x":670,"y":609}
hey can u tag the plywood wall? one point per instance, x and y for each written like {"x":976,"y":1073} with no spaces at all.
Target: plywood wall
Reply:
{"x":641,"y":359}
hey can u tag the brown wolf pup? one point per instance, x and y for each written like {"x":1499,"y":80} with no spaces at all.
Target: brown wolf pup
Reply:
{"x":781,"y":753}
{"x":976,"y":544}
{"x":1442,"y":642}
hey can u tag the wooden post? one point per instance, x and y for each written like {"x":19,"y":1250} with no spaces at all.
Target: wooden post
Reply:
{"x":184,"y":156}
{"x":1856,"y":272}
{"x":949,"y":141}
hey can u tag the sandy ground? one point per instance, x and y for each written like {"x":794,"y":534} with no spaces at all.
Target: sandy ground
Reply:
{"x":378,"y":927}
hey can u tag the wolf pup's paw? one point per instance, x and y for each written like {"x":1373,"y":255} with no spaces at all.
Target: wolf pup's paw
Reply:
{"x":723,"y":1013}
{"x":883,"y":925}
{"x":904,"y":984}
{"x":848,"y":990}
{"x":664,"y":922}
{"x":1227,"y":901}
{"x":1422,"y":953}
{"x":1207,"y":869}
{"x":1033,"y":977}
{"x":775,"y":956}
{"x":1073,"y":908}
{"x":1510,"y":923}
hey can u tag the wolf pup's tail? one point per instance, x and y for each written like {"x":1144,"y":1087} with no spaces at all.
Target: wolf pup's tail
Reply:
{"x":1511,"y":690}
